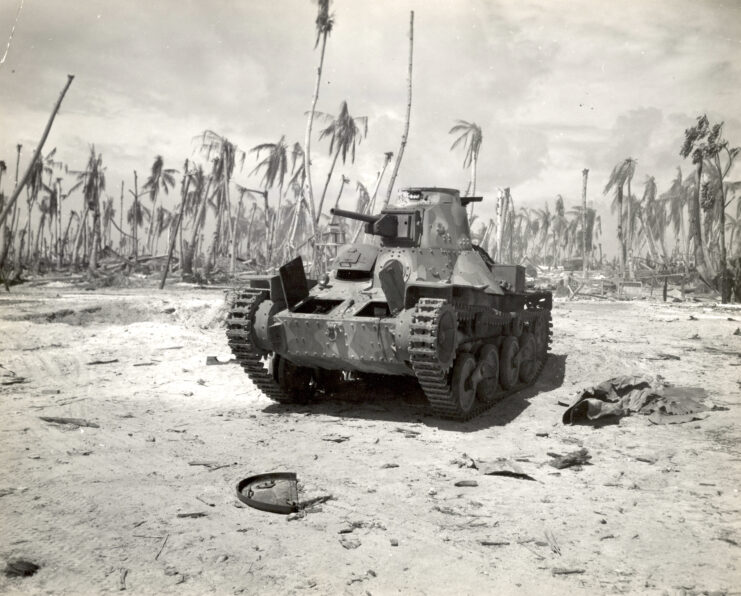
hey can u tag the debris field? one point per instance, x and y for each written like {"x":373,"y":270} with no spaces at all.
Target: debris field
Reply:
{"x":124,"y":430}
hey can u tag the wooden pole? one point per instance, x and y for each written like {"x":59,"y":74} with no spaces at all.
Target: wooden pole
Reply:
{"x":409,"y":112}
{"x":585,"y":174}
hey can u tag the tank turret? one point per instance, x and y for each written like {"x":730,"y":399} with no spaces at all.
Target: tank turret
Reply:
{"x":418,"y":298}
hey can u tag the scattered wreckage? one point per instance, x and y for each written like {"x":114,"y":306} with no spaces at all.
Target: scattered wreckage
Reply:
{"x":420,"y":300}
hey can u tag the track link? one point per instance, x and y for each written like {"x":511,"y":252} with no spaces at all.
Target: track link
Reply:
{"x":433,"y":376}
{"x":241,"y":342}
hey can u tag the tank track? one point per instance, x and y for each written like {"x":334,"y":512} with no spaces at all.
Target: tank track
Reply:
{"x":434,"y":378}
{"x":250,"y":356}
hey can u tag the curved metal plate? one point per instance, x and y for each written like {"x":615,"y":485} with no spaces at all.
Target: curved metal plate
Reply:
{"x":276,"y":492}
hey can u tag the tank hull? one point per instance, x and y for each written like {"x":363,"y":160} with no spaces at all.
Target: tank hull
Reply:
{"x":418,"y":300}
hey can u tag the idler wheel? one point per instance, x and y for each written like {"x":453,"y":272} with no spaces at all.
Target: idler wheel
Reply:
{"x":463,"y":386}
{"x":509,"y":363}
{"x":528,"y":356}
{"x":297,"y":382}
{"x":488,"y":386}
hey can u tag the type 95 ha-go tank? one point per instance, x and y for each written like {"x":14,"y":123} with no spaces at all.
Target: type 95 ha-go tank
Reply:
{"x":420,"y":300}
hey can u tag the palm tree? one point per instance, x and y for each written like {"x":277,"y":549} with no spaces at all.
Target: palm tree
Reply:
{"x":324,"y":23}
{"x":135,"y":217}
{"x":621,"y":173}
{"x":275,"y":166}
{"x":93,"y":184}
{"x":228,"y":156}
{"x":176,"y":223}
{"x":676,"y":199}
{"x":470,"y":136}
{"x":717,"y":146}
{"x":160,"y":178}
{"x":163,"y":220}
{"x":200,"y":202}
{"x":542,"y":225}
{"x":695,"y":145}
{"x":344,"y":132}
{"x":653,"y":219}
{"x":558,"y":229}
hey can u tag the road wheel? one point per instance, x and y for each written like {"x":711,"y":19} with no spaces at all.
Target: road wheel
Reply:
{"x":509,"y":364}
{"x":488,"y":386}
{"x":462,"y":385}
{"x":297,"y":382}
{"x":528,"y":358}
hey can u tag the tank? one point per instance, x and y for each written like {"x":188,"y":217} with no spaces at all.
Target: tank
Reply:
{"x":417,"y":298}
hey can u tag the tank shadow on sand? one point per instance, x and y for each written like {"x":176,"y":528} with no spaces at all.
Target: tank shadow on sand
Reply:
{"x":400,"y":399}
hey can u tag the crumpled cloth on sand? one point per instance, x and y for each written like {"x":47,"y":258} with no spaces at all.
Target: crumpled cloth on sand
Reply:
{"x":621,"y":396}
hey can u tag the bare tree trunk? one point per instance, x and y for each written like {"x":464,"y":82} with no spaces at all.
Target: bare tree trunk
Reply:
{"x":584,"y":174}
{"x":19,"y":256}
{"x":66,"y":232}
{"x":307,"y":139}
{"x":621,"y":239}
{"x":630,"y":234}
{"x":79,"y":236}
{"x":275,"y":222}
{"x":501,"y":206}
{"x":474,"y":162}
{"x":237,"y":217}
{"x":38,"y":245}
{"x":685,"y":242}
{"x":405,"y":134}
{"x":339,"y":195}
{"x":122,"y":240}
{"x":510,"y":225}
{"x":60,"y":248}
{"x":153,"y":230}
{"x":135,"y":224}
{"x":95,"y":235}
{"x":326,"y":185}
{"x":4,"y":250}
{"x":249,"y":227}
{"x":36,"y":153}
{"x":725,"y":293}
{"x":371,"y":204}
{"x":702,"y":263}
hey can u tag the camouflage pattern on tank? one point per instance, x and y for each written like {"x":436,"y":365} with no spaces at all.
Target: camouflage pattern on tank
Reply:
{"x":415,"y":298}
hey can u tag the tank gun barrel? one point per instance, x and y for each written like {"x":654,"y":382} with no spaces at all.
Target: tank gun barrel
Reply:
{"x":355,"y":215}
{"x":384,"y":224}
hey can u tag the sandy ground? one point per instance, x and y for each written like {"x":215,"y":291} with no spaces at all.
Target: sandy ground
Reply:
{"x":657,"y":512}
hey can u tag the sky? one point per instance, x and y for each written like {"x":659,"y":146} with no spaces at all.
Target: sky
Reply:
{"x":556,"y":86}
